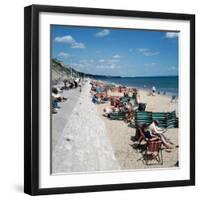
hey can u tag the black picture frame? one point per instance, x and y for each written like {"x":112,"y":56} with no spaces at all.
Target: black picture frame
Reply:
{"x":31,"y":99}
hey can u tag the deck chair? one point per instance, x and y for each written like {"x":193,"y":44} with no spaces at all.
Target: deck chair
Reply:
{"x":152,"y":149}
{"x":143,"y":118}
{"x":161,"y":117}
{"x":117,"y":116}
{"x":166,"y":119}
{"x":172,"y":120}
{"x":153,"y":152}
{"x":140,"y":140}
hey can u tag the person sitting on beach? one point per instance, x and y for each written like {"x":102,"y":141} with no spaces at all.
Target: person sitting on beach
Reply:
{"x":55,"y":105}
{"x":57,"y":96}
{"x":152,"y":137}
{"x":156,"y":130}
{"x":105,"y":96}
{"x":96,"y":99}
{"x":57,"y":89}
{"x":154,"y":127}
{"x":66,"y":84}
{"x":141,"y":106}
{"x":147,"y":133}
{"x":129,"y":105}
{"x":126,"y":94}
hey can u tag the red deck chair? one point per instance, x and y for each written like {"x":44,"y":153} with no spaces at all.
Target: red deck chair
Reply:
{"x":154,"y":152}
{"x":153,"y":149}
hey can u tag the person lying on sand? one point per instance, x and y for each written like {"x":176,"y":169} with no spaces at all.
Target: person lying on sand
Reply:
{"x":148,"y":134}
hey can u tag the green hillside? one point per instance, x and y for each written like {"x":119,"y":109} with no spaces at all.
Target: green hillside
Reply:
{"x":62,"y":71}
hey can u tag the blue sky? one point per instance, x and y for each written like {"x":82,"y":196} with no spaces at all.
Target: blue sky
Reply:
{"x":117,"y":52}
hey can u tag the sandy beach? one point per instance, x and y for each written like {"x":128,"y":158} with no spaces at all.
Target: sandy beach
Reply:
{"x":121,"y":134}
{"x":91,"y":142}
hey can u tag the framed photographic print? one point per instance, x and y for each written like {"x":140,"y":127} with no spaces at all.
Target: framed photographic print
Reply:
{"x":109,"y":100}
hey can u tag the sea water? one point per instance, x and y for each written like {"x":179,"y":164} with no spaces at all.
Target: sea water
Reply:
{"x":164,"y":84}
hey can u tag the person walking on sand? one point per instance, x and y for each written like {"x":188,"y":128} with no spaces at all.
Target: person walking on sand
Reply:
{"x":80,"y":88}
{"x":153,"y":91}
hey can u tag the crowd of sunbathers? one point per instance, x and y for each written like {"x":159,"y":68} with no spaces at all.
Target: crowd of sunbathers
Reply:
{"x":57,"y":90}
{"x":127,"y":103}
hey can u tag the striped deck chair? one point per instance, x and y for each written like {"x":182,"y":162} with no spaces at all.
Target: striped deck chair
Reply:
{"x":153,"y":152}
{"x":161,"y":117}
{"x":143,"y":118}
{"x":117,"y":116}
{"x":172,"y":120}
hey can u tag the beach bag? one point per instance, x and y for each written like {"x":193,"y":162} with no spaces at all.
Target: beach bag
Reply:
{"x":142,"y":107}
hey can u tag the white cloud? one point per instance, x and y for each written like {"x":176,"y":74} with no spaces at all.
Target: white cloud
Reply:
{"x":100,"y":64}
{"x":77,"y":45}
{"x":68,"y":39}
{"x":83,"y":61}
{"x":147,"y":52}
{"x":103,"y":33}
{"x":171,"y":35}
{"x":143,"y":49}
{"x":113,"y":66}
{"x":131,"y":50}
{"x":173,"y":68}
{"x":150,"y":64}
{"x":116,"y":56}
{"x":77,"y":65}
{"x":112,"y":61}
{"x":64,"y":55}
{"x":101,"y":60}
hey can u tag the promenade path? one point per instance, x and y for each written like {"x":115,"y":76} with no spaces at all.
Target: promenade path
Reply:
{"x":80,"y":142}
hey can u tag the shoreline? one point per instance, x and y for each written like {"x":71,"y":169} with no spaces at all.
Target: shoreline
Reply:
{"x":145,"y":98}
{"x":169,"y":94}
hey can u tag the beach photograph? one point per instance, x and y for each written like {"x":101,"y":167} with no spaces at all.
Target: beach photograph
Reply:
{"x":114,"y":99}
